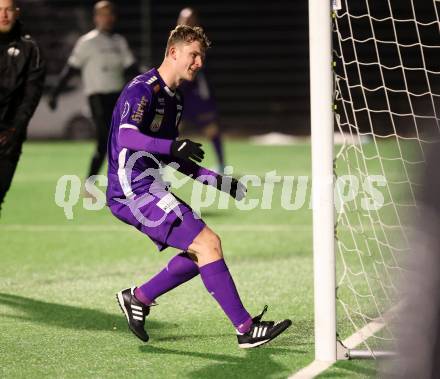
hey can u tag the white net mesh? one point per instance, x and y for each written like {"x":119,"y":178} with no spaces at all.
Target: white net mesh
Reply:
{"x":387,"y":98}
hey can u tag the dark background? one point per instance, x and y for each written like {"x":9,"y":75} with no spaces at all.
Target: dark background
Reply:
{"x":258,"y":65}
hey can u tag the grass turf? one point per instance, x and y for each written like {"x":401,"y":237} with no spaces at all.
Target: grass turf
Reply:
{"x":58,"y":277}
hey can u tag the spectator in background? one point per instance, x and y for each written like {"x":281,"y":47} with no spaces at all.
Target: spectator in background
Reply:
{"x":106,"y":64}
{"x":200,"y":109}
{"x":22,"y":73}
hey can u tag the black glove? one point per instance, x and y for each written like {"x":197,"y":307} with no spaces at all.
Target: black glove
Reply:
{"x":232,"y":186}
{"x":187,"y":150}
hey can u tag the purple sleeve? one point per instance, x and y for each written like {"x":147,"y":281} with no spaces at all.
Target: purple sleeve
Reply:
{"x":131,"y":138}
{"x":191,"y":168}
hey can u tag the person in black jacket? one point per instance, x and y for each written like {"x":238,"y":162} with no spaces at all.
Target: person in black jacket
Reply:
{"x":22,"y":73}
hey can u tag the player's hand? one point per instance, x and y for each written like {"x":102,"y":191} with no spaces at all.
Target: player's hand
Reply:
{"x":234,"y":187}
{"x":52,"y":102}
{"x":187,"y":150}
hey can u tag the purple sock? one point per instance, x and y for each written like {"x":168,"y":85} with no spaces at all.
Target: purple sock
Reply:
{"x":219,"y":283}
{"x":218,"y":147}
{"x":179,"y":270}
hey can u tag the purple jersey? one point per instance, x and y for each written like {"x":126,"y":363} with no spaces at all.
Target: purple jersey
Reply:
{"x":146,"y":106}
{"x":144,"y":125}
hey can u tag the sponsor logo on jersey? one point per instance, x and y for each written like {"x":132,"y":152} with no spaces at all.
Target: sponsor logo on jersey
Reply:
{"x":156,"y":88}
{"x":139,"y":114}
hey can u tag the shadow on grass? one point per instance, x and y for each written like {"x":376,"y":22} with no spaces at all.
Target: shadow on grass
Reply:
{"x":68,"y":316}
{"x":174,"y":338}
{"x":258,"y":363}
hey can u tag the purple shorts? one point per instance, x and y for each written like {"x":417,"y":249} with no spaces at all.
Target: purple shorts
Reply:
{"x":168,"y":221}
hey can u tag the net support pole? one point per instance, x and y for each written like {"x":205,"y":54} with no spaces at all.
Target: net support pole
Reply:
{"x":321,"y":98}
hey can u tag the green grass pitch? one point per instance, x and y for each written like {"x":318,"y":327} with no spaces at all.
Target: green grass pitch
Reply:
{"x":58,"y":279}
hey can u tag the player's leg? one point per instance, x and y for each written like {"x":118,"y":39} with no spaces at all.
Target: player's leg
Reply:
{"x":205,"y":257}
{"x":192,"y":235}
{"x":212,"y":132}
{"x":217,"y":278}
{"x":179,"y":270}
{"x":101,"y":106}
{"x":136,"y":302}
{"x":7,"y":170}
{"x":8,"y":165}
{"x":251,"y":332}
{"x":97,"y":110}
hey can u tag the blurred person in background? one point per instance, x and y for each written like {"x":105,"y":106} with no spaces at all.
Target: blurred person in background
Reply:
{"x":418,"y":321}
{"x":22,"y":73}
{"x":200,"y":108}
{"x":106,"y":63}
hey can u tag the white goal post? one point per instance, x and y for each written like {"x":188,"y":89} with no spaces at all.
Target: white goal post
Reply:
{"x":321,"y":100}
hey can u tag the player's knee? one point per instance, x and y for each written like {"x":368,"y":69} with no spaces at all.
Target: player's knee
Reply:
{"x":214,"y":246}
{"x":208,"y":245}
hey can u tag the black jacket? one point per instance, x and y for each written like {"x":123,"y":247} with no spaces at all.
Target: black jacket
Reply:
{"x":22,"y":73}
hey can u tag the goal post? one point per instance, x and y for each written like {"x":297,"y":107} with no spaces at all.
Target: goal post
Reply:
{"x":322,"y":126}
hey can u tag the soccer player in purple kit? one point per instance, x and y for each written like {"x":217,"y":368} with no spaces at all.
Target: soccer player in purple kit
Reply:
{"x":143,"y":136}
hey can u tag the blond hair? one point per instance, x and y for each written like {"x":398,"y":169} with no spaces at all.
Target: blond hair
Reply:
{"x":187,"y":34}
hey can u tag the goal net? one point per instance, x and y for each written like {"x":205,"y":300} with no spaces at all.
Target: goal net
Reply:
{"x":387,"y":113}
